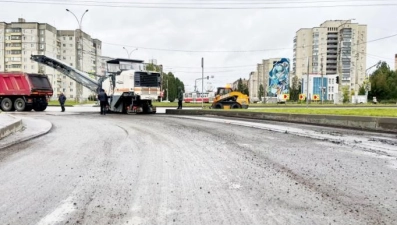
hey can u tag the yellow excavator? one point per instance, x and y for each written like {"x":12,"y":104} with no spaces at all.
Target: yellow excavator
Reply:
{"x":227,"y":98}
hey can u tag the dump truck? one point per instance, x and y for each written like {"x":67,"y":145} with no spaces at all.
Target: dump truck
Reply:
{"x":129,"y":86}
{"x":24,"y":91}
{"x":227,"y":98}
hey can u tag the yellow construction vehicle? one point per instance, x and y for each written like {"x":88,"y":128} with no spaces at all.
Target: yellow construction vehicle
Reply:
{"x":227,"y":98}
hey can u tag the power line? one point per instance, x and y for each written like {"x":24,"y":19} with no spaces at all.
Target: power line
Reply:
{"x":219,"y":2}
{"x":240,"y":51}
{"x":199,"y":6}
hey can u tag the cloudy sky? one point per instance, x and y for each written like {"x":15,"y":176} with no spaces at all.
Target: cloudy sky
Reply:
{"x":232,"y":41}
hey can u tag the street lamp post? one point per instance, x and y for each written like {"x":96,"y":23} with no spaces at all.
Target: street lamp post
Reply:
{"x":129,"y":53}
{"x":81,"y":42}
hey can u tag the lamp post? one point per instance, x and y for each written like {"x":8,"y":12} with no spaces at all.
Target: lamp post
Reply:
{"x":129,"y":53}
{"x":81,"y":42}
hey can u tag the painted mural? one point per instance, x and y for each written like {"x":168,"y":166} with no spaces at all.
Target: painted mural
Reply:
{"x":279,"y":78}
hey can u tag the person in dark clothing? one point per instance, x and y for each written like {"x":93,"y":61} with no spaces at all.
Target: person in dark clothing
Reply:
{"x":103,"y":99}
{"x":62,"y":100}
{"x":180,"y":98}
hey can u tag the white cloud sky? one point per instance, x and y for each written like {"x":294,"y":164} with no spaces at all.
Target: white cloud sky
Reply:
{"x":209,"y":29}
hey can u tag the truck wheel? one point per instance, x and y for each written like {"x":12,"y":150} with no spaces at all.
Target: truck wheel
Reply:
{"x":6,"y":105}
{"x":218,"y":106}
{"x":19,"y":104}
{"x":39,"y":108}
{"x":235,"y":106}
{"x":28,"y":108}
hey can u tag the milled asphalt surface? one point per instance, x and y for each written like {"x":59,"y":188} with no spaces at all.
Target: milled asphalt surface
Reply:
{"x":156,"y":169}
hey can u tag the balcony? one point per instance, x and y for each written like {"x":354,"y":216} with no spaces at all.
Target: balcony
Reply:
{"x":331,"y":61}
{"x":331,"y":67}
{"x":332,"y":35}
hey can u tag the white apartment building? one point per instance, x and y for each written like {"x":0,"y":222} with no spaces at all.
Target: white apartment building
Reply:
{"x":19,"y":40}
{"x":335,"y":47}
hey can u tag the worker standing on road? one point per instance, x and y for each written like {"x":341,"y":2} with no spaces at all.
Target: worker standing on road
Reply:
{"x":180,"y":98}
{"x":62,"y":100}
{"x":103,"y":99}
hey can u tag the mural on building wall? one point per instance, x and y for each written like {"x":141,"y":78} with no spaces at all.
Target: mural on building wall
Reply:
{"x":279,"y":78}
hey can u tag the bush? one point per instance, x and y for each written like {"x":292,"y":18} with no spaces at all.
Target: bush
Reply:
{"x":388,"y":101}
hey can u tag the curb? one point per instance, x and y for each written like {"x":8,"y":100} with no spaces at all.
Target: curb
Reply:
{"x":10,"y":128}
{"x":379,"y":124}
{"x":17,"y":139}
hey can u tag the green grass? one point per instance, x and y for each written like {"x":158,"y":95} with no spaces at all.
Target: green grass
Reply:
{"x":378,"y":112}
{"x":69,"y":103}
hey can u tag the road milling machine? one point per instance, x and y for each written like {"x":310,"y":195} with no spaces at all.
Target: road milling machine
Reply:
{"x":130,"y":88}
{"x":227,"y":98}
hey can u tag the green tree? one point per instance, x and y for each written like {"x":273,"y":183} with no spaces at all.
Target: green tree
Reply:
{"x":172,"y":88}
{"x":345,"y":92}
{"x":260,"y":92}
{"x":245,"y":89}
{"x":383,"y":83}
{"x":295,"y":89}
{"x":153,"y":67}
{"x":240,"y":85}
{"x":361,"y":90}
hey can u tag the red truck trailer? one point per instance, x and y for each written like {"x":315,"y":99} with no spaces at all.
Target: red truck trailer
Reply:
{"x":24,"y":91}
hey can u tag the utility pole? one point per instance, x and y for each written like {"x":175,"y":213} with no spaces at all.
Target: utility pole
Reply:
{"x":356,"y":79}
{"x":307,"y":83}
{"x":202,"y":82}
{"x":322,"y":82}
{"x":167,"y":89}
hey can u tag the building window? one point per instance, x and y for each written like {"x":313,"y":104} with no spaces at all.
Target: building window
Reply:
{"x":71,"y":38}
{"x":71,"y":64}
{"x":71,"y":96}
{"x":64,"y":45}
{"x":64,"y":38}
{"x":64,"y":51}
{"x":71,"y":45}
{"x":32,"y":67}
{"x":71,"y":89}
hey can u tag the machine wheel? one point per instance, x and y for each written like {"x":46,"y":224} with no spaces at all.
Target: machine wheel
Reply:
{"x":6,"y":105}
{"x":19,"y":104}
{"x":235,"y":106}
{"x":218,"y":106}
{"x":28,"y":108}
{"x":39,"y":108}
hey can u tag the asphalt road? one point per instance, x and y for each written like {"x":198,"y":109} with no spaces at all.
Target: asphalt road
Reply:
{"x":155,"y":169}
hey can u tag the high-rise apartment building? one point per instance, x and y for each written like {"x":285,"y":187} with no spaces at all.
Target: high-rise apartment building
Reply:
{"x":335,"y":47}
{"x":19,"y":40}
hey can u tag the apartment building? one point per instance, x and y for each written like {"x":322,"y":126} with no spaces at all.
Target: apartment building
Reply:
{"x":19,"y":40}
{"x":335,"y":47}
{"x":253,"y":86}
{"x":262,"y":77}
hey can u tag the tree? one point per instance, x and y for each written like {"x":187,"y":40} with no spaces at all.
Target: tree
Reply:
{"x":172,"y":88}
{"x":383,"y":83}
{"x":245,"y":89}
{"x":260,"y":92}
{"x":295,"y":89}
{"x":240,"y":85}
{"x":345,"y":92}
{"x":361,"y":90}
{"x":153,"y":67}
